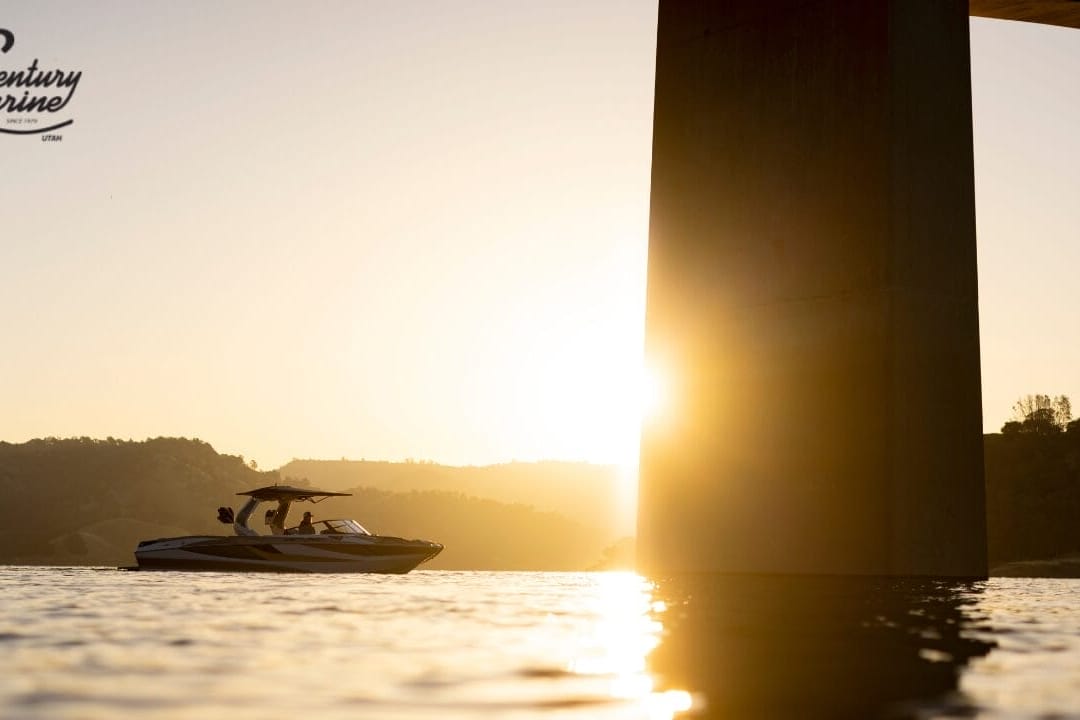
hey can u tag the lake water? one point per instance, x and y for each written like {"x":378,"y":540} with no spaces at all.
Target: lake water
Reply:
{"x":98,"y":643}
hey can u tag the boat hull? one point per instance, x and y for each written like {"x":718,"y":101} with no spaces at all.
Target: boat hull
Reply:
{"x":303,"y":554}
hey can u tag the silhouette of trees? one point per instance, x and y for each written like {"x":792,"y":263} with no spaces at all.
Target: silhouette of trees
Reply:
{"x":1040,"y":415}
{"x":1033,"y":482}
{"x":56,"y":487}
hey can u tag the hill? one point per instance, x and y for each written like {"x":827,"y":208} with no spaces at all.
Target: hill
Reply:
{"x":59,"y":492}
{"x":479,"y":534}
{"x":586,"y":493}
{"x":1032,"y":495}
{"x":84,"y":501}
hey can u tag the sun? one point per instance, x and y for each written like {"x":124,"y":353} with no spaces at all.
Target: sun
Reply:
{"x":591,"y":405}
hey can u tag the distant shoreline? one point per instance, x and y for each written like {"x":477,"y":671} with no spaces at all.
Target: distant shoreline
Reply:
{"x":1064,"y":567}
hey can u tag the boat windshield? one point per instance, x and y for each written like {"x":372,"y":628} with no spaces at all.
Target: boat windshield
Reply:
{"x":340,"y":527}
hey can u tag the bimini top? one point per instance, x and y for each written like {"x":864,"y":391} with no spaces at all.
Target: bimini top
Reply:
{"x":288,"y":492}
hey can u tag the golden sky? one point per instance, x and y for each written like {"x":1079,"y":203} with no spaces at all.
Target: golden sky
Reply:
{"x":414,"y":229}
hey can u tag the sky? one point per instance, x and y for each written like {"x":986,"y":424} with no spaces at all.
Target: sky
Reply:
{"x":409,"y":229}
{"x":1026,"y":112}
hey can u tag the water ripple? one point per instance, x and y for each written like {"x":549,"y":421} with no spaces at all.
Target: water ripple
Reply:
{"x":89,"y":643}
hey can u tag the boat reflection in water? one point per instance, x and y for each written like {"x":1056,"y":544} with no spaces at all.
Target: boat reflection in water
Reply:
{"x":798,"y":647}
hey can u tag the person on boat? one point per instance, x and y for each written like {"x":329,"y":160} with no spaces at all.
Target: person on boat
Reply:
{"x":276,"y":519}
{"x":305,"y":527}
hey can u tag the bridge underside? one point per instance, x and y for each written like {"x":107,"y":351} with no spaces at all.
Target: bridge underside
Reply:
{"x":812,"y":292}
{"x":1047,"y":12}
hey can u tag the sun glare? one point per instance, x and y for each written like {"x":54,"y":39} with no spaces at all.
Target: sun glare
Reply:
{"x":591,"y":406}
{"x":626,"y":630}
{"x":653,"y":394}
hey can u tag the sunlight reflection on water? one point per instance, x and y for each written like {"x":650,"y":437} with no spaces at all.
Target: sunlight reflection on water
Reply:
{"x":96,"y":643}
{"x":85,"y":643}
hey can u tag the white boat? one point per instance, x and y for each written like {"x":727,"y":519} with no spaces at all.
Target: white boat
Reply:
{"x":324,"y":546}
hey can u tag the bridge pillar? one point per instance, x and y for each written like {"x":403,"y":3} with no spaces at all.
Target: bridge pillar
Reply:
{"x":812,"y":294}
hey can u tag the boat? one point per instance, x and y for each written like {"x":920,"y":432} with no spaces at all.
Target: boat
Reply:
{"x":322,"y":546}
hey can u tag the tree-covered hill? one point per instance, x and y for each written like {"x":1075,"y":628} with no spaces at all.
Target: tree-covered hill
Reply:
{"x":84,"y":501}
{"x":586,"y":493}
{"x":54,"y":488}
{"x":478,"y":534}
{"x":1033,"y":494}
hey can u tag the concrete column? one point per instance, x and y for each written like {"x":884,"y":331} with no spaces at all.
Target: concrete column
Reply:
{"x":812,"y":293}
